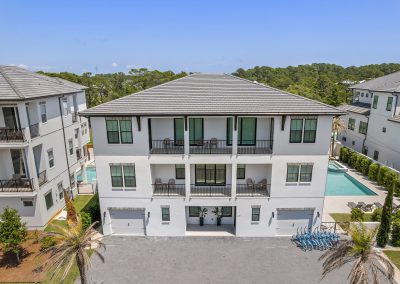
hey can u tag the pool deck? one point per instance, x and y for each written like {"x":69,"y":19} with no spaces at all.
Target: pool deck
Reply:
{"x":338,"y":204}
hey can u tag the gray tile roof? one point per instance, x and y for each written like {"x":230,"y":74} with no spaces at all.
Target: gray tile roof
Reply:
{"x":357,"y":107}
{"x":387,"y":83}
{"x":395,"y":118}
{"x":21,"y":84}
{"x":209,"y":94}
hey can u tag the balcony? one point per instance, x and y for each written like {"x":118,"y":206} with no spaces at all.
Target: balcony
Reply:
{"x":11,"y":135}
{"x":167,"y":146}
{"x":42,"y":177}
{"x":210,"y":190}
{"x":253,"y":190}
{"x":164,"y":189}
{"x":249,"y":147}
{"x":16,"y":185}
{"x":34,"y":130}
{"x":212,"y":146}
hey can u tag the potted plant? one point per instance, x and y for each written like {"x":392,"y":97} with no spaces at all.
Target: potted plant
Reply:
{"x":218,"y":212}
{"x":202,"y":214}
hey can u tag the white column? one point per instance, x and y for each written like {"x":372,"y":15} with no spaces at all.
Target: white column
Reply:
{"x":30,"y":162}
{"x":83,"y":171}
{"x":186,"y":136}
{"x":187,"y":179}
{"x":234,"y":171}
{"x":23,"y":119}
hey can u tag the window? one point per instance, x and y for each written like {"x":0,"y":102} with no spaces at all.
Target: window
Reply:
{"x":71,"y":146}
{"x":49,"y":200}
{"x":363,"y":127}
{"x":365,"y":150}
{"x":119,"y":130}
{"x":196,"y":131}
{"x":384,"y":129}
{"x":27,"y":203}
{"x":76,"y":133}
{"x":226,"y":211}
{"x":60,"y":190}
{"x":306,"y":173}
{"x":112,"y":131}
{"x":362,"y":95}
{"x":310,"y":129}
{"x":351,"y":124}
{"x":353,"y":142}
{"x":125,"y":126}
{"x":255,"y":214}
{"x":376,"y":155}
{"x":389,"y":103}
{"x":366,"y":95}
{"x":123,"y":175}
{"x":165,"y":214}
{"x":296,"y":130}
{"x":72,"y":180}
{"x":210,"y":174}
{"x":50,"y":156}
{"x":292,"y":173}
{"x":194,"y":211}
{"x":241,"y":171}
{"x":43,"y":112}
{"x":179,"y":129}
{"x":180,"y":171}
{"x":344,"y":138}
{"x":375,"y":102}
{"x":372,"y":95}
{"x":303,"y":130}
{"x":229,"y":131}
{"x":247,"y":130}
{"x":65,"y":108}
{"x":84,"y":128}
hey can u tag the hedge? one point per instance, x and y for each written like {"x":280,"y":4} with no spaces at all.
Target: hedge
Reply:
{"x":389,"y":179}
{"x":381,"y":174}
{"x":344,"y":154}
{"x":373,"y":171}
{"x":364,"y":165}
{"x":397,"y":188}
{"x":396,"y":233}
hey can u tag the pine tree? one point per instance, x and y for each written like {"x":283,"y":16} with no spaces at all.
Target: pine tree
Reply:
{"x":384,"y":228}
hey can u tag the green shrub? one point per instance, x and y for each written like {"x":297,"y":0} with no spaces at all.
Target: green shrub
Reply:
{"x":381,"y":174}
{"x":389,"y":179}
{"x":396,"y":216}
{"x":364,"y":165}
{"x":344,"y":154}
{"x":86,"y":219}
{"x":376,"y":215}
{"x":93,"y":208}
{"x":397,"y":187}
{"x":357,"y":215}
{"x":382,"y":236}
{"x":47,"y":242}
{"x":396,"y":233}
{"x":359,"y":163}
{"x":373,"y":171}
{"x":353,"y":159}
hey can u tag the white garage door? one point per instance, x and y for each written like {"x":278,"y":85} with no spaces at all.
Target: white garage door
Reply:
{"x":288,"y":221}
{"x":128,"y":222}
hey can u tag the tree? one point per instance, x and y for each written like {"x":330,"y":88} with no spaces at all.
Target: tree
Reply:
{"x":12,"y":232}
{"x":71,"y":212}
{"x":386,"y":220}
{"x":360,"y":251}
{"x":72,"y":243}
{"x":338,"y":126}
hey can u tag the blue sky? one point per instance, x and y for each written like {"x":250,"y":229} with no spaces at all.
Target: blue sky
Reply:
{"x":202,"y":36}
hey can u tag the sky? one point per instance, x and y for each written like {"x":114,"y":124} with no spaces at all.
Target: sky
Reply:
{"x":196,"y":36}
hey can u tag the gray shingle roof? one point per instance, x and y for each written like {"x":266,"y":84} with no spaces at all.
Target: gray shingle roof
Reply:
{"x":395,"y":118}
{"x":21,"y":84}
{"x":209,"y":94}
{"x":357,"y":107}
{"x":387,"y":83}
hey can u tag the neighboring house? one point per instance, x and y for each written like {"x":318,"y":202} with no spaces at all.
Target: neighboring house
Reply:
{"x":42,"y":142}
{"x":373,"y":120}
{"x":258,"y":153}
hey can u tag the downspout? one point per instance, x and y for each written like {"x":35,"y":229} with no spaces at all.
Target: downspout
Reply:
{"x":65,"y":147}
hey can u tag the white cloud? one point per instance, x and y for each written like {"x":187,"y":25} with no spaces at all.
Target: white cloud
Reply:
{"x":114,"y":64}
{"x":131,"y":66}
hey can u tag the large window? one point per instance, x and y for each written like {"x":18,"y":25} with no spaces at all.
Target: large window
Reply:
{"x":303,"y":130}
{"x":194,"y":211}
{"x":363,"y":127}
{"x":60,"y":189}
{"x":306,"y":172}
{"x":247,"y":130}
{"x":351,"y":124}
{"x":375,"y":102}
{"x":226,"y":211}
{"x":255,"y":214}
{"x":180,"y":171}
{"x":165,"y":214}
{"x":50,"y":156}
{"x":299,"y":172}
{"x":229,"y":131}
{"x":49,"y":200}
{"x":210,"y":174}
{"x":196,"y":131}
{"x":179,"y":126}
{"x":241,"y":171}
{"x":296,"y":130}
{"x":123,"y":175}
{"x":292,"y":173}
{"x":389,"y":104}
{"x":119,"y":130}
{"x":43,"y":112}
{"x":310,"y":129}
{"x":71,"y":146}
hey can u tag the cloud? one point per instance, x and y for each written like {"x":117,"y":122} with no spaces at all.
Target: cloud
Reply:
{"x":42,"y":67}
{"x":131,"y":66}
{"x":114,"y":64}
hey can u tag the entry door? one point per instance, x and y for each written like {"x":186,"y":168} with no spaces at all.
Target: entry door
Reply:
{"x":289,"y":221}
{"x":128,"y":222}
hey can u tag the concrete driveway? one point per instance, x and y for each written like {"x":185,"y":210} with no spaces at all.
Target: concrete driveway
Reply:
{"x":208,"y":260}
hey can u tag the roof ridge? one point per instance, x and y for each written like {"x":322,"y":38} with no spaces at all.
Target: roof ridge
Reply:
{"x":383,"y":76}
{"x":12,"y":85}
{"x":283,"y":91}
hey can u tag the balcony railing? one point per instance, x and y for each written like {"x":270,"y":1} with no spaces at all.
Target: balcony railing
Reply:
{"x":163,"y":189}
{"x":253,"y":190}
{"x":167,"y":146}
{"x":212,"y":146}
{"x":210,"y":190}
{"x":255,"y":147}
{"x":34,"y":130}
{"x":42,"y":177}
{"x":11,"y":135}
{"x":16,"y":185}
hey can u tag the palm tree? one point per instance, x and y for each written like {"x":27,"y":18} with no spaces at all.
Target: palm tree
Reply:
{"x":360,"y":250}
{"x":72,"y":243}
{"x":338,"y":126}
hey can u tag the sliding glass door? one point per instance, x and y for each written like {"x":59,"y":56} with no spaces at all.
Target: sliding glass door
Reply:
{"x":196,"y":131}
{"x":210,"y":174}
{"x":179,"y":124}
{"x":247,"y":130}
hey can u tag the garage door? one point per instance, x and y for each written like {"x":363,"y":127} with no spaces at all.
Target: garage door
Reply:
{"x":288,"y":221}
{"x":128,"y":222}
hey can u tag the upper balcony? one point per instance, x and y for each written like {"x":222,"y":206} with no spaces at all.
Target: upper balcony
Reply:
{"x":11,"y":135}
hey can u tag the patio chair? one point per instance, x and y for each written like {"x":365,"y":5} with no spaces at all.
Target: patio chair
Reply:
{"x":351,"y":205}
{"x":167,"y":142}
{"x":158,"y":185}
{"x":368,"y":208}
{"x":250,"y":184}
{"x":378,"y":205}
{"x":199,"y":142}
{"x":262,"y":185}
{"x":171,"y":184}
{"x":213,"y":143}
{"x":179,"y":142}
{"x":361,"y":205}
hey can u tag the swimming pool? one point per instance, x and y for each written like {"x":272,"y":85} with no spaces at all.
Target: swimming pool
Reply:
{"x":90,"y":173}
{"x":342,"y":184}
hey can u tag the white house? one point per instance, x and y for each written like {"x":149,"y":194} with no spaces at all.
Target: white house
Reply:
{"x":42,"y":142}
{"x":203,"y":141}
{"x":373,"y":120}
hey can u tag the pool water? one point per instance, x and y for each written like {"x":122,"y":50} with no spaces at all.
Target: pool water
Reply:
{"x":90,"y":173}
{"x":342,"y":184}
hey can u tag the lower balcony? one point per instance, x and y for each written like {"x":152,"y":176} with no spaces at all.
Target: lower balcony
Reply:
{"x":261,"y":189}
{"x":168,"y":189}
{"x":16,"y":185}
{"x":210,"y":190}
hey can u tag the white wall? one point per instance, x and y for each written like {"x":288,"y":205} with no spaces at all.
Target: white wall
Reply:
{"x":354,"y":139}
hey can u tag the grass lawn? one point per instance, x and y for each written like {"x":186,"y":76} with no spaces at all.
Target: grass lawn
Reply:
{"x":394,"y":256}
{"x":346,"y":217}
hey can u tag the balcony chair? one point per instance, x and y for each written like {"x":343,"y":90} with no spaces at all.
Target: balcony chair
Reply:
{"x":158,"y":185}
{"x":171,"y":184}
{"x":250,"y":184}
{"x":213,"y":143}
{"x":262,"y":185}
{"x":199,"y":142}
{"x":167,"y":142}
{"x":179,"y":142}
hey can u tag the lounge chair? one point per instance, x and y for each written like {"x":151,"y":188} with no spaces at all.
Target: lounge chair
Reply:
{"x":378,"y":205}
{"x":361,"y":205}
{"x":351,"y":205}
{"x":368,"y":207}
